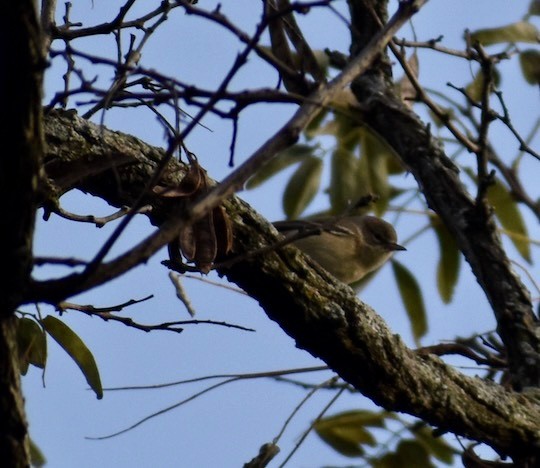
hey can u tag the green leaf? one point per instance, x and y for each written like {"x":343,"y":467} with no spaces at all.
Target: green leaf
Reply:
{"x":449,"y":115}
{"x":409,"y":453}
{"x":321,"y":58}
{"x":344,"y":183}
{"x":281,"y":161}
{"x":449,"y":261}
{"x":404,"y":87}
{"x":348,"y":132}
{"x":437,"y":446}
{"x":31,"y":344}
{"x":530,"y":66}
{"x":302,"y":187}
{"x":358,"y":417}
{"x":76,"y":348}
{"x":346,"y":432}
{"x":374,"y":164}
{"x":315,"y":123}
{"x":411,"y":296}
{"x":36,"y":455}
{"x":509,"y":215}
{"x":534,"y":7}
{"x":521,"y":31}
{"x":330,"y":128}
{"x":476,"y":87}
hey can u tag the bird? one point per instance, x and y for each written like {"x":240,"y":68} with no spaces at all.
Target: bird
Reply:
{"x":349,"y":247}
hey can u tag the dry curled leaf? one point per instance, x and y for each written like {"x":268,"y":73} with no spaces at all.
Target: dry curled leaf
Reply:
{"x":203,"y":242}
{"x":192,"y":182}
{"x":223,"y":228}
{"x":405,"y":87}
{"x":207,"y":238}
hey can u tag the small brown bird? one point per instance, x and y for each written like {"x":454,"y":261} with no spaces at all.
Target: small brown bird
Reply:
{"x":349,"y":247}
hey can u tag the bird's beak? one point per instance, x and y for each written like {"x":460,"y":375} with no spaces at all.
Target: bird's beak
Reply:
{"x":394,"y":246}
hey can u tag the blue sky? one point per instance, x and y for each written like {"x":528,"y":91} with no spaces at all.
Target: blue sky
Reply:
{"x":226,"y":426}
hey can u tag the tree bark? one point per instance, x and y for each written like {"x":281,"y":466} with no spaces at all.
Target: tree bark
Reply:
{"x":324,"y":316}
{"x":470,"y":221}
{"x":14,"y":448}
{"x":20,"y":85}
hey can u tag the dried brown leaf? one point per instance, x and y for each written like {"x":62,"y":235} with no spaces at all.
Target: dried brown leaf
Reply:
{"x":187,"y":242}
{"x":223,"y":229}
{"x":205,"y":243}
{"x":210,"y":236}
{"x":192,"y":182}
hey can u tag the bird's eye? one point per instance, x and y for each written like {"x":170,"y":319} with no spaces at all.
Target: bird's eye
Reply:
{"x":379,"y":238}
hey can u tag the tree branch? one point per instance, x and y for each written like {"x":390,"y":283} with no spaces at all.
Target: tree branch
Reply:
{"x":473,"y":228}
{"x":326,"y":319}
{"x":21,"y":80}
{"x":470,"y":222}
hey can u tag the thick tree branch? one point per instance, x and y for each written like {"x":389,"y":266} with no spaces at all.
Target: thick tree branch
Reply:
{"x":471,"y":224}
{"x":290,"y":132}
{"x":326,"y":319}
{"x":470,"y":221}
{"x":57,"y":290}
{"x":322,"y":315}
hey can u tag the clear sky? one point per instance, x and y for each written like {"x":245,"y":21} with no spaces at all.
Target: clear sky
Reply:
{"x":226,"y":426}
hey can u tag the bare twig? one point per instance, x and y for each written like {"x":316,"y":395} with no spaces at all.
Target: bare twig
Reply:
{"x":290,"y":132}
{"x":228,"y":379}
{"x":486,"y":117}
{"x":105,"y":313}
{"x":181,"y":293}
{"x":441,"y":114}
{"x":306,"y":433}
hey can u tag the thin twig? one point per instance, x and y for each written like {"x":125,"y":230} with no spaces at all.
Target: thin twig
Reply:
{"x":290,"y":132}
{"x":229,"y":379}
{"x":306,"y":433}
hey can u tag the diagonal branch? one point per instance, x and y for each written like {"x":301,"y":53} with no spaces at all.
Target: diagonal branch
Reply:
{"x":325,"y":318}
{"x":472,"y":226}
{"x":470,"y":221}
{"x":290,"y":132}
{"x":56,"y":290}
